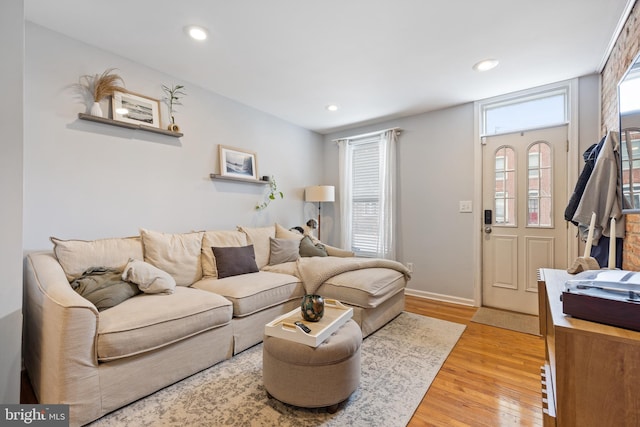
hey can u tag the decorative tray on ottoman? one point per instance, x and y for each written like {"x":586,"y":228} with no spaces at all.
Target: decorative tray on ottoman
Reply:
{"x":335,"y":315}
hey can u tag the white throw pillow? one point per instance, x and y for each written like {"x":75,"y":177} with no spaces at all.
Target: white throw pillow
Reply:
{"x":150,"y":279}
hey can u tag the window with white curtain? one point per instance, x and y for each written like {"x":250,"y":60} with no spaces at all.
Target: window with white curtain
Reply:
{"x":367,"y":180}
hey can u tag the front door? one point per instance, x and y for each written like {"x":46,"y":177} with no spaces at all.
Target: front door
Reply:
{"x":524,"y":193}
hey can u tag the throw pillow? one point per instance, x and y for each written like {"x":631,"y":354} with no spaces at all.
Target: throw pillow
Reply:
{"x":233,"y":261}
{"x":218,"y":238}
{"x":308,"y":248}
{"x":259,"y":238}
{"x":104,"y":287}
{"x":177,"y":254}
{"x":77,"y":256}
{"x":284,"y":250}
{"x":150,"y":279}
{"x":283,"y":233}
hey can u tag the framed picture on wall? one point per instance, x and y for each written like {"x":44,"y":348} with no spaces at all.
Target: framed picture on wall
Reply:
{"x":137,"y":109}
{"x":237,"y":163}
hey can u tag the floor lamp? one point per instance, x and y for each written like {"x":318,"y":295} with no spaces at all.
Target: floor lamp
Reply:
{"x":320,"y":193}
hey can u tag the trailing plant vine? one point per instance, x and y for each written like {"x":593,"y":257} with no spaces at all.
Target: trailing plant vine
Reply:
{"x":273,"y":194}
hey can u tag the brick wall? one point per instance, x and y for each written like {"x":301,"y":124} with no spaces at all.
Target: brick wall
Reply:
{"x":624,"y":51}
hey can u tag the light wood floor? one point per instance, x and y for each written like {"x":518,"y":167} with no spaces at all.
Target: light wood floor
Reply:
{"x":491,"y":378}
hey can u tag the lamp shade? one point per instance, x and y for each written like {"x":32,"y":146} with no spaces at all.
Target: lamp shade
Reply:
{"x":320,"y":193}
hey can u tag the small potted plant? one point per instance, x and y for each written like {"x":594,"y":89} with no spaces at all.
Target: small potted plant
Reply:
{"x":172,"y":99}
{"x":96,"y":87}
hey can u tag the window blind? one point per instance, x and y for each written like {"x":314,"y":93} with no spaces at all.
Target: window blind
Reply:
{"x":365,"y":196}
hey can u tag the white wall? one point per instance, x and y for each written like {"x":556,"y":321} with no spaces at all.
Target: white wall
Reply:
{"x":11,"y":123}
{"x":88,"y":180}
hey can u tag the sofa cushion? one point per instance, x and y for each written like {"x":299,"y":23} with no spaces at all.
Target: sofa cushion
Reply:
{"x":148,"y":278}
{"x":177,"y":254}
{"x":232,"y":261}
{"x":259,"y":238}
{"x":219,"y":239}
{"x":147,"y":322}
{"x":365,"y":288}
{"x":284,"y":250}
{"x":308,"y":248}
{"x":76,"y":256}
{"x":254,"y":292}
{"x":283,"y":233}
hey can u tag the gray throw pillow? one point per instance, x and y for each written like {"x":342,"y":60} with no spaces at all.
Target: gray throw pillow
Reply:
{"x":235,"y":260}
{"x":308,"y":248}
{"x":283,"y":250}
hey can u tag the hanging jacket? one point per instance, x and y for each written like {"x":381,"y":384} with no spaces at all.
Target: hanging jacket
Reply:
{"x":602,"y":193}
{"x":589,"y":156}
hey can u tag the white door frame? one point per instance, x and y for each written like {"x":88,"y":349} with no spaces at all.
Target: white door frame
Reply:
{"x":571,"y":87}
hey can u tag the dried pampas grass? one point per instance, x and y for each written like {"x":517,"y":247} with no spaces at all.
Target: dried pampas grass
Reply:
{"x":102,"y":85}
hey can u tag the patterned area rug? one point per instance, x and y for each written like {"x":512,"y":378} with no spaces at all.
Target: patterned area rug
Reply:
{"x":399,"y":362}
{"x":507,"y":320}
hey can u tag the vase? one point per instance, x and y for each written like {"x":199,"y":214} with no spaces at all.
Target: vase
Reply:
{"x":312,"y":308}
{"x":96,"y":110}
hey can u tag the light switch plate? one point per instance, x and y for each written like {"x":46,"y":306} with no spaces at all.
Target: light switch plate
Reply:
{"x":466,"y":206}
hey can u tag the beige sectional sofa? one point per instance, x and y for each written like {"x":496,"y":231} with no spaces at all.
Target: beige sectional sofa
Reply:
{"x":97,"y":361}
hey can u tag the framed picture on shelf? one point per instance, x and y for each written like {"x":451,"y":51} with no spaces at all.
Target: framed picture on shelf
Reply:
{"x":137,"y":109}
{"x":236,"y":163}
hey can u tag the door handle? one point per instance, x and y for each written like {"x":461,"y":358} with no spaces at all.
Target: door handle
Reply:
{"x":487,"y":229}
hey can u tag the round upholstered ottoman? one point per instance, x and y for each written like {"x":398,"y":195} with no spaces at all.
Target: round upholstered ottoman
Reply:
{"x":310,"y":377}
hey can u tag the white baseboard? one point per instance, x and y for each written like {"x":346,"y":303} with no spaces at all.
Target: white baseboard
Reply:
{"x":438,"y":297}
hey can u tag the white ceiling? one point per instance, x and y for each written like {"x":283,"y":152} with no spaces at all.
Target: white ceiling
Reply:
{"x":376,"y":59}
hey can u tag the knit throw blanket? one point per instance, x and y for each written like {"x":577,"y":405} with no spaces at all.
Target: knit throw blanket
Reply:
{"x":314,"y":271}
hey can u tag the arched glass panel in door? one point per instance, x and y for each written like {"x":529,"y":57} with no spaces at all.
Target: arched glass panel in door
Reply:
{"x":539,"y":185}
{"x":505,"y":186}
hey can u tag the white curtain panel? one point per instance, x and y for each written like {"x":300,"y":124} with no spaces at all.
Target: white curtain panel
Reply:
{"x":344,"y":159}
{"x":387,"y":236}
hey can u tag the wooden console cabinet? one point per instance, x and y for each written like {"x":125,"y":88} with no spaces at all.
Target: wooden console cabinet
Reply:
{"x":591,"y":375}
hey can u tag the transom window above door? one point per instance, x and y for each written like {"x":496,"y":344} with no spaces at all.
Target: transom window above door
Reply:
{"x":543,"y":109}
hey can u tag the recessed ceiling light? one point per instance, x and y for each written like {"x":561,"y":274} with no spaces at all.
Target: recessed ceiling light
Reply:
{"x":122,"y":111}
{"x":196,"y":33}
{"x":486,"y":65}
{"x":332,"y":107}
